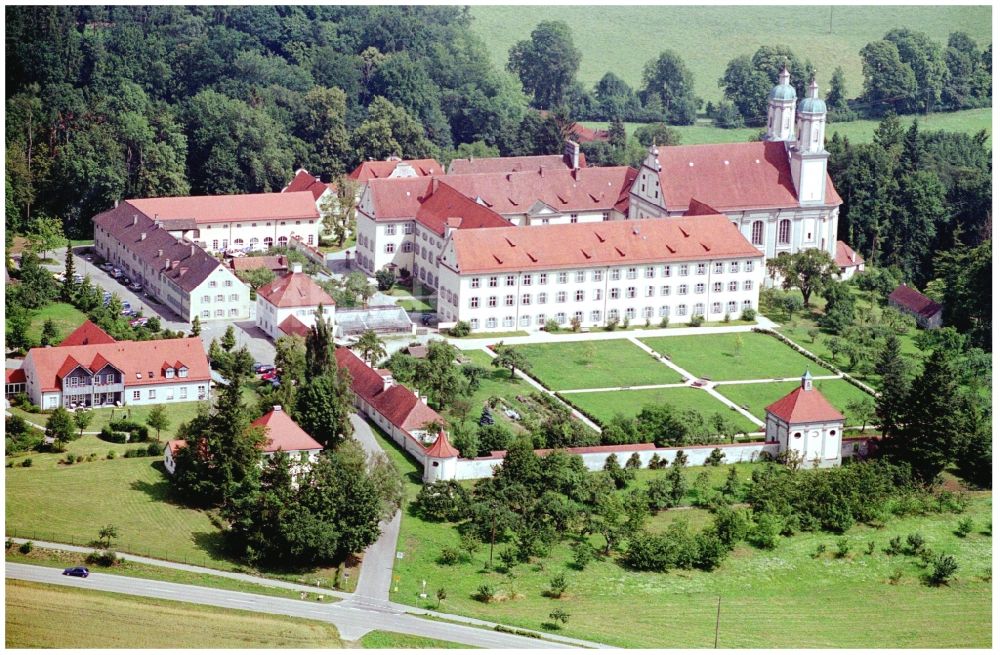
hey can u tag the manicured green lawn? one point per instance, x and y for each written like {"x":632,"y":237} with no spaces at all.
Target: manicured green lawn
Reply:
{"x":715,"y":356}
{"x":177,"y":413}
{"x":417,"y":305}
{"x":604,"y":405}
{"x":493,"y":335}
{"x":383,"y":639}
{"x":48,"y":616}
{"x":758,"y":396}
{"x":595,"y":364}
{"x":65,"y":316}
{"x":498,"y":383}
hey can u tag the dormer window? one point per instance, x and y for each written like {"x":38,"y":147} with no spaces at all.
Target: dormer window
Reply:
{"x":138,"y":375}
{"x":169,"y":372}
{"x":182,"y":372}
{"x":150,"y":375}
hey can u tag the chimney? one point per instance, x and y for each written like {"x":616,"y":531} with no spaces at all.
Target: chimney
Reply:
{"x":135,"y":219}
{"x":192,"y":250}
{"x":387,"y":382}
{"x":423,"y":399}
{"x":175,"y":263}
{"x":142,"y":236}
{"x":571,"y":154}
{"x":116,"y":204}
{"x":277,"y":408}
{"x":296,"y":268}
{"x":166,"y":262}
{"x":159,"y":253}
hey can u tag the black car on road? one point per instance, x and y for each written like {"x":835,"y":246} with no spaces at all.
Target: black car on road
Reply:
{"x":77,"y":571}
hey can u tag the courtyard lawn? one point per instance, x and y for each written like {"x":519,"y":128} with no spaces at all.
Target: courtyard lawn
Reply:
{"x":604,"y":405}
{"x":595,"y":364}
{"x":715,"y":356}
{"x":383,"y":639}
{"x":48,"y":616}
{"x":417,"y":305}
{"x":755,"y":397}
{"x":65,"y":316}
{"x":177,"y":413}
{"x":499,"y":384}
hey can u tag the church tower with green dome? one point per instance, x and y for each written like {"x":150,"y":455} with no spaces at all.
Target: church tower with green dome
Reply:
{"x":808,"y":155}
{"x":781,"y":110}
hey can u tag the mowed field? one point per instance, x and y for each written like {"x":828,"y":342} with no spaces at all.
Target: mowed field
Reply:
{"x":755,"y":397}
{"x":595,"y":365}
{"x":46,"y":616}
{"x":623,"y":39}
{"x":969,"y":121}
{"x":719,"y":357}
{"x":783,"y":598}
{"x":606,"y":404}
{"x":177,"y":414}
{"x":66,"y":318}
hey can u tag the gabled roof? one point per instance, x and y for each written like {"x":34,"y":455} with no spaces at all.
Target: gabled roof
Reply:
{"x":371,"y":170}
{"x":801,"y":406}
{"x":730,"y":176}
{"x":585,"y":134}
{"x":295,"y":290}
{"x":441,"y":448}
{"x":610,"y":243}
{"x":176,"y":444}
{"x":304,"y":181}
{"x":283,"y":433}
{"x":87,"y":333}
{"x":473,"y":166}
{"x":291,"y":325}
{"x":446,"y":207}
{"x":135,"y":359}
{"x":15,"y":375}
{"x":183,"y":262}
{"x":846,"y":256}
{"x":914,"y":301}
{"x":217,"y":209}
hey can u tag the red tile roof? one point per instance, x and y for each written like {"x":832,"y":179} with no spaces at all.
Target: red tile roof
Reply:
{"x":611,"y":243}
{"x":371,"y":170}
{"x":274,"y":262}
{"x":295,"y":290}
{"x":135,"y":359}
{"x":801,"y":406}
{"x":913,"y":300}
{"x":441,"y":448}
{"x":730,"y":176}
{"x":15,"y":375}
{"x":284,"y":434}
{"x":216,"y":209}
{"x":87,"y":333}
{"x":176,"y":444}
{"x":846,"y":256}
{"x":304,"y":181}
{"x":446,"y":207}
{"x":399,"y":405}
{"x":292,"y":325}
{"x":585,"y":134}
{"x":472,"y":166}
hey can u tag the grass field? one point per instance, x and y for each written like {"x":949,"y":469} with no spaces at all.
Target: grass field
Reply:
{"x":623,"y":39}
{"x":417,"y":305}
{"x":497,"y":383}
{"x":860,"y":131}
{"x":66,"y":317}
{"x":606,"y":404}
{"x":177,"y":413}
{"x":45,"y":616}
{"x":755,"y":397}
{"x":382,"y":639}
{"x":595,"y":364}
{"x":714,"y":356}
{"x":769,"y":598}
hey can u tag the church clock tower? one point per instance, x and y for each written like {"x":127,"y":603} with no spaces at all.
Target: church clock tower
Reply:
{"x":781,"y":110}
{"x":808,"y":155}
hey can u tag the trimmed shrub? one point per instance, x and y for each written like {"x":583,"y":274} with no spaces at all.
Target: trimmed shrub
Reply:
{"x":107,"y":434}
{"x":102,"y":558}
{"x":461,"y":329}
{"x":486,"y":593}
{"x":26,"y":547}
{"x":154,"y":448}
{"x":749,"y":314}
{"x":944,"y":570}
{"x":26,"y":463}
{"x":715,"y":457}
{"x":963,"y":529}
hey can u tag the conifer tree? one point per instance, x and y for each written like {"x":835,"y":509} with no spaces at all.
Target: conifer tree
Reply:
{"x":891,"y":403}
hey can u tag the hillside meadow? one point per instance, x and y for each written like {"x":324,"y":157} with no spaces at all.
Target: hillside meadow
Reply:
{"x":623,"y":39}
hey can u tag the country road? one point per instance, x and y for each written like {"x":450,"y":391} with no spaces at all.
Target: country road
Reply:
{"x":351,"y":621}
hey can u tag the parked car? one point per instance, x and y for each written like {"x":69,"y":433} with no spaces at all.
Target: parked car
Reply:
{"x":89,"y":257}
{"x":116,"y":272}
{"x":270,"y":375}
{"x":264,"y":369}
{"x":107,"y":267}
{"x":124,"y":280}
{"x":77,"y":571}
{"x":135,"y":286}
{"x":139,"y":322}
{"x":126,"y":305}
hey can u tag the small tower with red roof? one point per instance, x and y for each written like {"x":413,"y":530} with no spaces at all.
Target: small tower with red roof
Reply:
{"x":440,"y":460}
{"x":806,"y":424}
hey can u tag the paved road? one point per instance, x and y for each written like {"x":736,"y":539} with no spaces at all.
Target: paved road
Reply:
{"x":352,"y":622}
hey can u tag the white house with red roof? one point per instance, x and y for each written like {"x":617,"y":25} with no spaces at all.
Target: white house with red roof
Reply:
{"x":281,"y":433}
{"x":513,"y":278}
{"x":805,"y":424}
{"x":88,"y":333}
{"x":289,"y":304}
{"x":776,"y":191}
{"x":848,"y":261}
{"x":910,"y":301}
{"x":118,"y":373}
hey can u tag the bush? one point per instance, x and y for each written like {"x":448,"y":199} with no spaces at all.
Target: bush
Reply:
{"x":870,"y":548}
{"x":749,"y":314}
{"x":26,"y":547}
{"x":107,"y":434}
{"x":112,"y":454}
{"x":944,"y":570}
{"x":915,"y":543}
{"x":963,"y":529}
{"x":448,"y":556}
{"x":696,"y":320}
{"x":896,"y":576}
{"x":154,"y":448}
{"x":656,"y":462}
{"x":461,"y":329}
{"x":486,"y":593}
{"x":583,"y":554}
{"x":765,"y":531}
{"x":8,"y":543}
{"x":557,"y":586}
{"x":105,"y":557}
{"x":80,"y":458}
{"x":843,"y":548}
{"x":820,"y":550}
{"x":715,"y":457}
{"x":26,"y":463}
{"x":444,"y":500}
{"x":895,"y":546}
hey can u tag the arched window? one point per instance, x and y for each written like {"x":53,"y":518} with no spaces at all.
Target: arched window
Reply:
{"x":785,"y":231}
{"x":282,"y":241}
{"x":757,"y":233}
{"x":268,"y":242}
{"x":253,"y":243}
{"x":238,"y":242}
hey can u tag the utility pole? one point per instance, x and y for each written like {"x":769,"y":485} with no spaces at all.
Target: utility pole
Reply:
{"x":831,"y":19}
{"x":718,"y":615}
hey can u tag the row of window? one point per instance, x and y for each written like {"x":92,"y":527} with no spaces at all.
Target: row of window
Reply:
{"x":225,"y":226}
{"x":784,"y":232}
{"x":630,"y":273}
{"x":212,"y":284}
{"x":169,"y":395}
{"x":220,"y":313}
{"x":614,"y":293}
{"x":596,"y":315}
